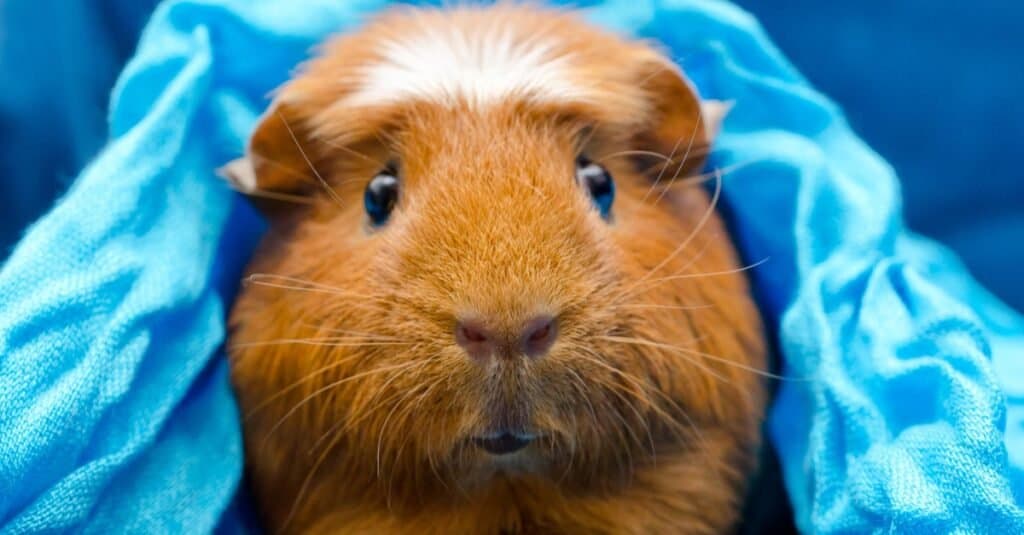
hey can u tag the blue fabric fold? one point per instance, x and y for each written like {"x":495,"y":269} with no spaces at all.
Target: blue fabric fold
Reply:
{"x":902,"y":407}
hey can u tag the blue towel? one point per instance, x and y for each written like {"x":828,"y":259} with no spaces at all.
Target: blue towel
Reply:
{"x":903,"y":407}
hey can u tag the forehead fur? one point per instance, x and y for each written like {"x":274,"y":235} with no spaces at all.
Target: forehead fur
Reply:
{"x":473,"y":58}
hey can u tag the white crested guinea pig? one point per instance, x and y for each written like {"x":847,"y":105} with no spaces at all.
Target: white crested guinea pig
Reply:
{"x":495,"y":296}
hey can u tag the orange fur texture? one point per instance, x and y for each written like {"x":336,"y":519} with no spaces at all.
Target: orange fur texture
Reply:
{"x":359,"y":406}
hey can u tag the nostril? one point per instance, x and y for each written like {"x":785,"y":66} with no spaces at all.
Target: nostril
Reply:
{"x":539,"y":335}
{"x":470,"y":333}
{"x":474,"y":338}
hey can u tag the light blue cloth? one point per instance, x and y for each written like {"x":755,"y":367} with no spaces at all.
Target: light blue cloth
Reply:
{"x":115,"y":410}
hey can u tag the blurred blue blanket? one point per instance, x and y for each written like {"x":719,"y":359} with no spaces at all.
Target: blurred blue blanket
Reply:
{"x":904,"y":410}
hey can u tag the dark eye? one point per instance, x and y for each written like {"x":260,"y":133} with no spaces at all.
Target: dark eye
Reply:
{"x":598,"y":183}
{"x":381,"y":196}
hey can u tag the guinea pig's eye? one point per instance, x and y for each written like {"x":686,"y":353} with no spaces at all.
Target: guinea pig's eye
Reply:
{"x":381,"y":195}
{"x":598,"y":183}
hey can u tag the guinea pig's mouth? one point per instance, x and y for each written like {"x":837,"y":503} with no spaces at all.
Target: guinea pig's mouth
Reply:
{"x":504,"y":442}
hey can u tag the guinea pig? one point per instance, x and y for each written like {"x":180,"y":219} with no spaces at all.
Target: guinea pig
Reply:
{"x":495,"y":295}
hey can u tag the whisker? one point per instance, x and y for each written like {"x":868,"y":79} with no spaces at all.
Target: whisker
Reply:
{"x":701,"y":365}
{"x":347,"y":149}
{"x":334,"y":341}
{"x":292,"y":287}
{"x":376,"y":336}
{"x":572,"y":452}
{"x":292,"y":283}
{"x":333,"y":385}
{"x":595,"y":359}
{"x":692,"y":180}
{"x":709,"y":356}
{"x":274,"y":163}
{"x":636,"y":382}
{"x":700,"y":225}
{"x":651,"y":153}
{"x":664,"y":307}
{"x":679,"y":169}
{"x":580,"y":386}
{"x":664,"y":168}
{"x":675,"y":426}
{"x":408,"y":436}
{"x":581,"y":143}
{"x":665,"y":160}
{"x":380,"y":437}
{"x":306,"y":482}
{"x":709,"y":273}
{"x":319,"y":371}
{"x":641,"y":286}
{"x":309,"y":162}
{"x":582,"y":390}
{"x":348,"y":424}
{"x":276,"y":196}
{"x":624,"y":426}
{"x":258,"y":278}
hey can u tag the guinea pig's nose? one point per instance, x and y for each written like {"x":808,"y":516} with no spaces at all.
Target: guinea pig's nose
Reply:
{"x":534,"y":339}
{"x":537,"y":337}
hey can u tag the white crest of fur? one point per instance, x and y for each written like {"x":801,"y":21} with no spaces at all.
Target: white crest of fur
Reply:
{"x":477,"y":65}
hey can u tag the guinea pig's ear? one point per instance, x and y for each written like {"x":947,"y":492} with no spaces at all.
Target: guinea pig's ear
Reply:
{"x":277,"y":168}
{"x":680,"y":128}
{"x":713,"y":112}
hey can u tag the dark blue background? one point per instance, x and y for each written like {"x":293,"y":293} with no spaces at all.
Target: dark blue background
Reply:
{"x":937,"y":87}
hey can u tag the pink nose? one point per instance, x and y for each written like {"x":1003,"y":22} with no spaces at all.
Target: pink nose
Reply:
{"x":482,"y":343}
